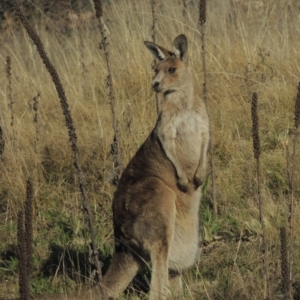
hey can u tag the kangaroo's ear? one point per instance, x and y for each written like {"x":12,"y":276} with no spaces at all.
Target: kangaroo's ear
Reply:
{"x":159,"y":52}
{"x":180,"y":46}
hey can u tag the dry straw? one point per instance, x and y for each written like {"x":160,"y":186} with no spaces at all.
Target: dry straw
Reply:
{"x":256,"y":150}
{"x":184,"y":7}
{"x":127,"y":115}
{"x":202,"y":22}
{"x":72,"y":133}
{"x":116,"y":150}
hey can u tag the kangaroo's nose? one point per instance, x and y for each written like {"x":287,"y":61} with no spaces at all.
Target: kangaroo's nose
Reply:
{"x":155,"y":86}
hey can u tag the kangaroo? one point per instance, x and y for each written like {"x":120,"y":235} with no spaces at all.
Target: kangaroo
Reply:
{"x":155,"y":206}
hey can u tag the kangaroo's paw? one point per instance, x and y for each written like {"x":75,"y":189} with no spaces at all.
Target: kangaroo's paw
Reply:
{"x":197,"y":181}
{"x":183,"y":183}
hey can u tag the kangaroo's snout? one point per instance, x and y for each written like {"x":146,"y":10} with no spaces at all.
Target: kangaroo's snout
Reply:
{"x":155,"y":86}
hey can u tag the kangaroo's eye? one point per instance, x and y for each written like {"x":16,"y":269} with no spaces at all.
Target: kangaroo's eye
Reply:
{"x":156,"y":71}
{"x":172,"y":70}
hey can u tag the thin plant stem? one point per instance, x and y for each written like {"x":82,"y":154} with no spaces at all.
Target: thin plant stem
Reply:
{"x":288,"y":288}
{"x":184,"y":7}
{"x":153,"y":34}
{"x":256,"y":150}
{"x":8,"y":74}
{"x":72,"y":134}
{"x":25,"y":237}
{"x":202,"y":22}
{"x":22,"y":256}
{"x":2,"y":142}
{"x":35,"y":120}
{"x":291,"y":179}
{"x":28,"y":210}
{"x":116,"y":150}
{"x":285,"y":263}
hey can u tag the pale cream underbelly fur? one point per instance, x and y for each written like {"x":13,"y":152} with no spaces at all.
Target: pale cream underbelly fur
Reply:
{"x":185,"y":245}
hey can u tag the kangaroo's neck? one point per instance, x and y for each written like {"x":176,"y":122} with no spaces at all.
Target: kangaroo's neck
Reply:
{"x":182,"y":98}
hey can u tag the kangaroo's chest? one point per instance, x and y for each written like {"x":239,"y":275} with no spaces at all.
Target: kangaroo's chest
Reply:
{"x":188,"y":128}
{"x":182,"y":133}
{"x":188,"y":139}
{"x":183,"y":127}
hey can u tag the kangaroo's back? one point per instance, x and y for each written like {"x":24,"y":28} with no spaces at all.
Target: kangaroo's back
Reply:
{"x":155,"y":206}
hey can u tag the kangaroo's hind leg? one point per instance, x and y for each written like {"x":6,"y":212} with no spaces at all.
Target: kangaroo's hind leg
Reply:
{"x":155,"y":227}
{"x":122,"y":269}
{"x":176,"y":284}
{"x":159,"y":288}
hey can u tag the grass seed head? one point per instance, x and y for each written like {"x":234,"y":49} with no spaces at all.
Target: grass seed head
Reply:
{"x":8,"y":66}
{"x":297,"y":108}
{"x":2,"y":142}
{"x":202,"y":12}
{"x":255,"y":127}
{"x":98,"y":8}
{"x":8,"y":74}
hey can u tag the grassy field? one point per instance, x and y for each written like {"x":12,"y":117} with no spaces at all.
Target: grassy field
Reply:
{"x":252,"y":46}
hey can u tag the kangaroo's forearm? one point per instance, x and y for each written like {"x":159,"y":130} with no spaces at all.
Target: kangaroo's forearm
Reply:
{"x":170,"y":151}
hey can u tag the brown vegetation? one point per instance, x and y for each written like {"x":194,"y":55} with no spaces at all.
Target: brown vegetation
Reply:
{"x":251,"y":46}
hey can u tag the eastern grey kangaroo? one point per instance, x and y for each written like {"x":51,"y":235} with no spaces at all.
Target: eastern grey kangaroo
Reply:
{"x":155,"y":206}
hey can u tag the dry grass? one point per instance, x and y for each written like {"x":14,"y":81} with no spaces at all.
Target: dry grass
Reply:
{"x":249,"y":49}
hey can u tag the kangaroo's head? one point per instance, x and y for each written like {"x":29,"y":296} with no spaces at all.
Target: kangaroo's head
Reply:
{"x":171,"y":68}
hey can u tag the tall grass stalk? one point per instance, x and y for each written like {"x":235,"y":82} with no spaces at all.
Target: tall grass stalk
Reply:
{"x":153,"y":27}
{"x":28,"y":211}
{"x":2,"y":142}
{"x":116,"y":150}
{"x":35,"y":120}
{"x":23,"y":282}
{"x":72,"y":134}
{"x":25,"y":237}
{"x":256,"y":150}
{"x":291,"y":180}
{"x":153,"y":35}
{"x":285,"y":263}
{"x":8,"y":74}
{"x":128,"y":117}
{"x":184,"y":7}
{"x":202,"y":23}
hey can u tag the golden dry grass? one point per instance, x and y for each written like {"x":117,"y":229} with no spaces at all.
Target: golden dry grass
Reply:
{"x":252,"y":46}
